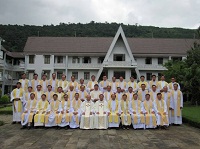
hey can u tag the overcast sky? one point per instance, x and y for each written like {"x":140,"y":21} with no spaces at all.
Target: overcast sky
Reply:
{"x":161,"y":13}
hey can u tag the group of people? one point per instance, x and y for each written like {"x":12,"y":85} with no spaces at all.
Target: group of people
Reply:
{"x":63,"y":104}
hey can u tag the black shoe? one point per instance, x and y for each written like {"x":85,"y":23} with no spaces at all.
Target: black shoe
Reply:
{"x":66,"y":128}
{"x":13,"y":122}
{"x":23,"y":127}
{"x":18,"y":122}
{"x":29,"y":127}
{"x":127,"y":127}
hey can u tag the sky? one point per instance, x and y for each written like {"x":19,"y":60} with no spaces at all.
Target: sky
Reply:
{"x":160,"y":13}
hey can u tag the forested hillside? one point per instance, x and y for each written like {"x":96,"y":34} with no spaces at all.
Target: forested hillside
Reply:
{"x":16,"y":35}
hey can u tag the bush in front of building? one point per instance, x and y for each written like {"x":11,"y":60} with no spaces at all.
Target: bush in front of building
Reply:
{"x":4,"y":99}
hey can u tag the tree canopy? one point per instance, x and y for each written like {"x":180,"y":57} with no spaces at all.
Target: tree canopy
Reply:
{"x":16,"y":35}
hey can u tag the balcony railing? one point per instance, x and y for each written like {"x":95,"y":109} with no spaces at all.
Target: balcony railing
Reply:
{"x":119,"y":64}
{"x":59,"y":65}
{"x":151,"y":67}
{"x":84,"y":66}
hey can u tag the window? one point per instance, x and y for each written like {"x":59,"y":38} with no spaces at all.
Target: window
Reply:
{"x":119,"y":57}
{"x":59,"y":74}
{"x":86,"y":75}
{"x":59,"y":59}
{"x":47,"y":59}
{"x":148,"y":60}
{"x":31,"y":59}
{"x":75,"y":60}
{"x":148,"y":76}
{"x":118,"y":74}
{"x":86,"y":60}
{"x":75,"y":74}
{"x":160,"y":61}
{"x":100,"y":60}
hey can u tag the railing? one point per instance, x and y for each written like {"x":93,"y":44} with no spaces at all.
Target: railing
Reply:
{"x":151,"y":67}
{"x":119,"y":64}
{"x":59,"y":65}
{"x":84,"y":65}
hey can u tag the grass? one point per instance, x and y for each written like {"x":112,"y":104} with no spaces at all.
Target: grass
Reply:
{"x":191,"y":115}
{"x":6,"y":110}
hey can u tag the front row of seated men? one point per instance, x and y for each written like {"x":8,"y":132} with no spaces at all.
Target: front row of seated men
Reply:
{"x":95,"y":115}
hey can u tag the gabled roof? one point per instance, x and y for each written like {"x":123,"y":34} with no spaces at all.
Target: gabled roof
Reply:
{"x":102,"y":44}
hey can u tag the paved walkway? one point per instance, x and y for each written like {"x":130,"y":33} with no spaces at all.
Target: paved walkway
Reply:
{"x":11,"y":137}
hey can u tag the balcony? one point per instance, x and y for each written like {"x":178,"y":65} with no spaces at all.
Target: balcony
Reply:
{"x":59,"y":65}
{"x":150,"y":67}
{"x":84,"y":66}
{"x":118,"y":64}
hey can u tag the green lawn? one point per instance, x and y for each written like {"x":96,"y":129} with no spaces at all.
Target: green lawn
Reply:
{"x":6,"y":110}
{"x":192,"y":113}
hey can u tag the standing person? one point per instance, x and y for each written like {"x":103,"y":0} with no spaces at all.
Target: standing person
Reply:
{"x":27,"y":116}
{"x":148,"y":110}
{"x":160,"y":108}
{"x":83,"y":93}
{"x":103,"y":84}
{"x":44,"y":83}
{"x":114,"y":109}
{"x":119,"y":94}
{"x":122,"y":84}
{"x":114,"y":85}
{"x":17,"y":96}
{"x":101,"y":113}
{"x":95,"y":93}
{"x":137,"y":115}
{"x":60,"y":93}
{"x":41,"y":110}
{"x":171,"y":85}
{"x":124,"y":112}
{"x":152,"y":82}
{"x":142,"y":93}
{"x":108,"y":93}
{"x":71,"y":92}
{"x":81,"y":83}
{"x":63,"y":83}
{"x":53,"y":82}
{"x":153,"y":92}
{"x":130,"y":93}
{"x":87,"y":111}
{"x":177,"y":105}
{"x":38,"y":92}
{"x":34,"y":82}
{"x":73,"y":83}
{"x":162,"y":83}
{"x":49,"y":93}
{"x":133,"y":84}
{"x":24,"y":82}
{"x":142,"y":81}
{"x":76,"y":112}
{"x":90,"y":85}
{"x":27,"y":97}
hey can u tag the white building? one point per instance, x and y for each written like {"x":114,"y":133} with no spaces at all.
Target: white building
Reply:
{"x":86,"y":56}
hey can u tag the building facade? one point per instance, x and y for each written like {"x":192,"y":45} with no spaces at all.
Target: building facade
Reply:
{"x":87,"y":56}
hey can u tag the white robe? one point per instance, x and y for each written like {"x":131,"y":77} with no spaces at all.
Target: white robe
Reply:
{"x":101,"y":119}
{"x":133,"y":86}
{"x":176,"y":119}
{"x":169,"y":113}
{"x":158,"y":117}
{"x":26,"y":116}
{"x":113,"y":107}
{"x":107,"y":95}
{"x":52,"y":115}
{"x":139,"y":124}
{"x":95,"y":94}
{"x":16,"y":115}
{"x":65,"y":108}
{"x":125,"y":122}
{"x":73,"y":124}
{"x":87,"y":120}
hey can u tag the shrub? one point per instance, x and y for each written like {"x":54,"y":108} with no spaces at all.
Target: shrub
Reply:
{"x":4,"y":99}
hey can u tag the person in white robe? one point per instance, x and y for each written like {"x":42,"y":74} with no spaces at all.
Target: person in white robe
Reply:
{"x":122,"y":84}
{"x":53,"y":112}
{"x":44,"y":83}
{"x":83,"y":93}
{"x":27,"y":116}
{"x":53,"y":82}
{"x":66,"y":113}
{"x":114,"y":84}
{"x":137,"y":116}
{"x":153,"y":92}
{"x":63,"y":83}
{"x":152,"y":82}
{"x":119,"y":94}
{"x":17,"y":96}
{"x":71,"y":92}
{"x":101,"y":113}
{"x":41,"y":110}
{"x":87,"y":114}
{"x":60,"y":93}
{"x":142,"y":92}
{"x":91,"y":83}
{"x":162,"y":83}
{"x":148,"y":110}
{"x":124,"y":112}
{"x":108,"y":93}
{"x":81,"y":83}
{"x":49,"y":93}
{"x":34,"y":82}
{"x":73,"y":83}
{"x":132,"y":83}
{"x":171,"y":85}
{"x":160,"y":108}
{"x":130,"y":93}
{"x":166,"y":96}
{"x":38,"y":92}
{"x":76,"y":112}
{"x":103,"y":84}
{"x":95,"y":93}
{"x":24,"y":82}
{"x":142,"y":81}
{"x":27,"y":97}
{"x":177,"y":105}
{"x":113,"y":114}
